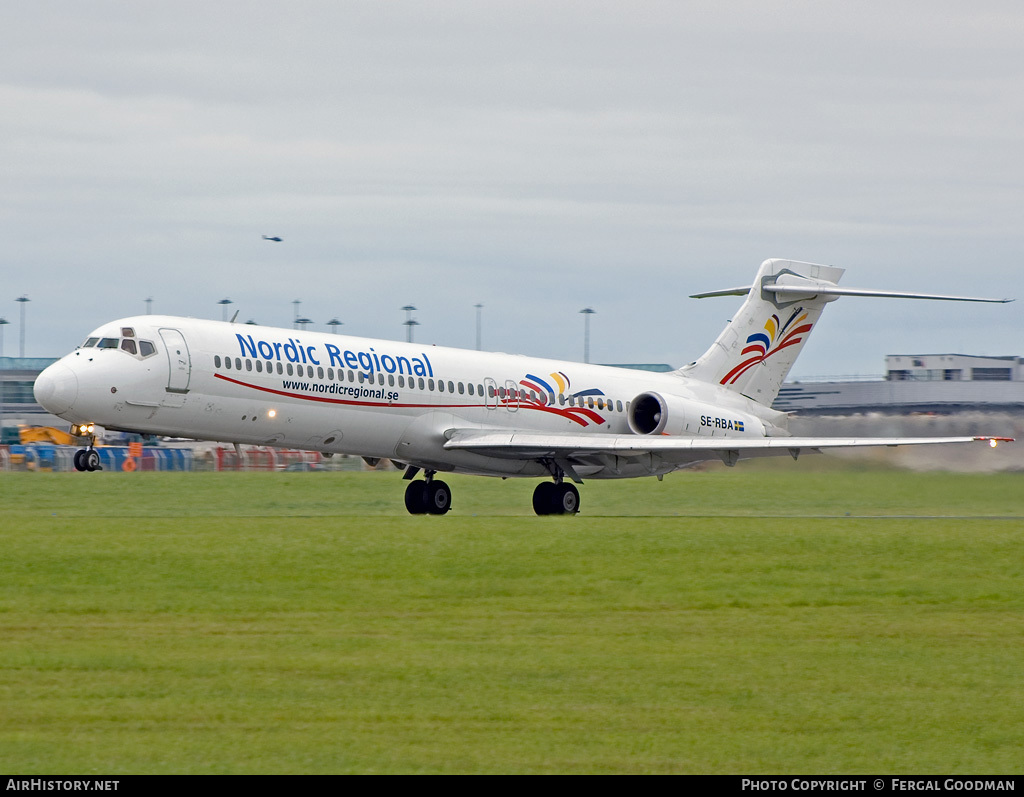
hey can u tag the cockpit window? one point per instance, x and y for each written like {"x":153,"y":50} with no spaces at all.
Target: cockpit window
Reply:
{"x":129,"y":346}
{"x":90,"y":343}
{"x":146,"y":348}
{"x":109,"y":343}
{"x":127,"y":332}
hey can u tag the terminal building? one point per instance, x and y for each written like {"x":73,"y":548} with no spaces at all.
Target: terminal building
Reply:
{"x":18,"y":407}
{"x":915,"y":383}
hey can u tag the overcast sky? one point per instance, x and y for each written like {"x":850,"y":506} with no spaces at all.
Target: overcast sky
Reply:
{"x":534,"y":157}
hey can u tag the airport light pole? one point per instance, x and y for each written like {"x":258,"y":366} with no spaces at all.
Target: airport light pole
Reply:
{"x":295,"y":318}
{"x":587,"y":312}
{"x":479,"y":326}
{"x":149,"y":306}
{"x":224,"y":308}
{"x":3,"y":322}
{"x":409,"y":322}
{"x":24,"y":300}
{"x":334,"y":323}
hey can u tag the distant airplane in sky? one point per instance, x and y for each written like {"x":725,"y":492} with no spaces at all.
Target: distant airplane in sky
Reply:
{"x":272,"y":238}
{"x":441,"y":410}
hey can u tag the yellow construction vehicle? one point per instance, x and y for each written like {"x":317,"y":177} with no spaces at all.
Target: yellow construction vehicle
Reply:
{"x":47,"y":434}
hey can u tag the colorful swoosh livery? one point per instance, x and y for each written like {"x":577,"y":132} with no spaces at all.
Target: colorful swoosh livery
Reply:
{"x":540,"y":394}
{"x":776,"y":337}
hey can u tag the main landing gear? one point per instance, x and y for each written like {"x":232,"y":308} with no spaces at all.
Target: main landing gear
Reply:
{"x":551,"y":498}
{"x":428,"y":497}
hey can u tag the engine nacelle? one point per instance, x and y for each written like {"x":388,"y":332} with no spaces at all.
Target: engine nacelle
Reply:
{"x":653,"y":413}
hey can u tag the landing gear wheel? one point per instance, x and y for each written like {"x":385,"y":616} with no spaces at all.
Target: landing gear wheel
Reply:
{"x":80,"y":460}
{"x":439,"y":497}
{"x":416,"y":498}
{"x":544,"y":498}
{"x":567,"y":499}
{"x":556,"y":499}
{"x":91,"y":460}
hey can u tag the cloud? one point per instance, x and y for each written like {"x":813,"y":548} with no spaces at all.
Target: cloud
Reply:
{"x":535,"y":157}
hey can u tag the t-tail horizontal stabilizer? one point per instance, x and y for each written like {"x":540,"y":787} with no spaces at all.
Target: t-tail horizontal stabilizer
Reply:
{"x":756,"y":351}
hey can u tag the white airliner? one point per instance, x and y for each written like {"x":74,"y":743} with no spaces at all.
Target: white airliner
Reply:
{"x":442,"y":410}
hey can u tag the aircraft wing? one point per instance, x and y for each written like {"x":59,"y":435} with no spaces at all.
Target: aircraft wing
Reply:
{"x":596,"y":448}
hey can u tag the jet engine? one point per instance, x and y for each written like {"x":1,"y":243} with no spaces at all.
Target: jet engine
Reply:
{"x":652,"y":413}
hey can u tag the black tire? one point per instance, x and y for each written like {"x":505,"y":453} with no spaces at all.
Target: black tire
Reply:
{"x":544,"y":498}
{"x":567,"y":499}
{"x":439,"y":498}
{"x":80,"y":460}
{"x":91,"y":460}
{"x":416,"y":497}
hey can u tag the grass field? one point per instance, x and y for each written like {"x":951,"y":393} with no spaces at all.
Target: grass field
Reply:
{"x":812,"y":618}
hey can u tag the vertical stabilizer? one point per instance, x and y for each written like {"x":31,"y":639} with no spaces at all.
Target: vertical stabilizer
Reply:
{"x":756,"y":350}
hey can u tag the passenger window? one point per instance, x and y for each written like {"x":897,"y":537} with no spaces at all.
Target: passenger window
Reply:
{"x":351,"y":376}
{"x":391,"y":380}
{"x":470,"y":386}
{"x":259,"y":366}
{"x":618,"y":405}
{"x":462,"y":388}
{"x":238,"y":363}
{"x":401,"y":381}
{"x":289,"y":367}
{"x":430,"y":385}
{"x":227,"y":363}
{"x":129,"y":346}
{"x":380,"y":379}
{"x":216,"y":361}
{"x":421,"y":384}
{"x":330,"y":374}
{"x":590,"y":402}
{"x":600,"y":404}
{"x":451,"y":386}
{"x":127,"y":332}
{"x":480,"y":390}
{"x":248,"y":365}
{"x":362,"y":376}
{"x":440,"y":385}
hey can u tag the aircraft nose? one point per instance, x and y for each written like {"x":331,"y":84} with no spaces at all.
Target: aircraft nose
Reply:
{"x":56,"y":388}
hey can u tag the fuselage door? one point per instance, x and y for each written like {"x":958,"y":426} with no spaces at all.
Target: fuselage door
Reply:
{"x":511,"y":395}
{"x":178,"y":361}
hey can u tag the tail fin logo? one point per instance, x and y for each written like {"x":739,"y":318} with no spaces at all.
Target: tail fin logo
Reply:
{"x":776,"y":337}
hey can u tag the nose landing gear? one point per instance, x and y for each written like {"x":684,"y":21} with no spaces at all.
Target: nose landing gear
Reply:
{"x":86,"y":459}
